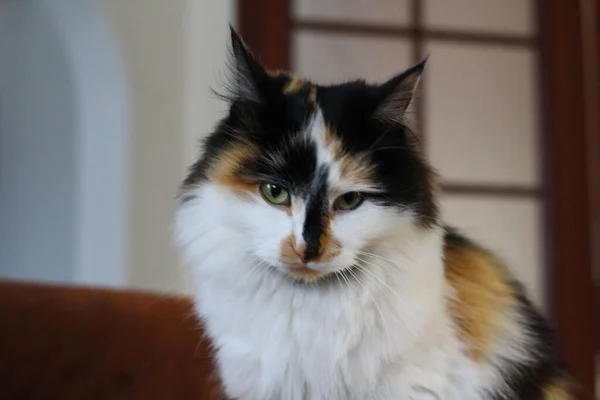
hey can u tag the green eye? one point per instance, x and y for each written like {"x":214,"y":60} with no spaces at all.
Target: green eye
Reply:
{"x":348,"y":201}
{"x":275,"y":194}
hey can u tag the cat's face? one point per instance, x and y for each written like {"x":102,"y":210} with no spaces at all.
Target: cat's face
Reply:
{"x":308,"y":178}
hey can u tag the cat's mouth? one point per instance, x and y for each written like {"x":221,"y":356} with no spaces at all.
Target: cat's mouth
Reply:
{"x":307,"y":274}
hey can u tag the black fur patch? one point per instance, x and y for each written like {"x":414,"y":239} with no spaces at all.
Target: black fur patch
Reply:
{"x":317,"y":212}
{"x":260,"y":113}
{"x":528,"y":382}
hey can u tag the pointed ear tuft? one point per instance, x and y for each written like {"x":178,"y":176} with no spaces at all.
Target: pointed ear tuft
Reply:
{"x":246,"y":74}
{"x":397,"y":93}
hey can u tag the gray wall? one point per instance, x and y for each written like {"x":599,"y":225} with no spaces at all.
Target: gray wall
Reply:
{"x":37,"y":148}
{"x":96,"y":135}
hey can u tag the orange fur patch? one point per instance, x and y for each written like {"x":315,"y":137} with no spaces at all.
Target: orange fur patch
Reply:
{"x":483,"y":296}
{"x":329,"y":246}
{"x":333,"y":143}
{"x":357,"y":169}
{"x":291,"y":256}
{"x":304,"y":273}
{"x":276,"y":73}
{"x":558,"y":389}
{"x":223,"y":168}
{"x":288,"y":253}
{"x":294,"y":85}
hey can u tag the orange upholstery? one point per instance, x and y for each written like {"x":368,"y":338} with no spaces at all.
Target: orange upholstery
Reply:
{"x":83,"y":343}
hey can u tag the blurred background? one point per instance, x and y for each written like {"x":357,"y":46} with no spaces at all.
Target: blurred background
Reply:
{"x":102,"y":104}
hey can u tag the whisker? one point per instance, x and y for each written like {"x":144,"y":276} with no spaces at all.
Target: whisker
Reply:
{"x":379,"y":279}
{"x":403,"y":253}
{"x":385,"y":148}
{"x":348,"y":285}
{"x":337,"y":275}
{"x":378,"y":257}
{"x":375,"y":303}
{"x":375,"y":278}
{"x":388,"y":262}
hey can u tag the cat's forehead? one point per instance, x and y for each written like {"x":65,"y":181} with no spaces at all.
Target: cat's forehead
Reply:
{"x":335,"y":101}
{"x":307,"y":143}
{"x":335,"y":115}
{"x":313,"y":138}
{"x":313,"y":155}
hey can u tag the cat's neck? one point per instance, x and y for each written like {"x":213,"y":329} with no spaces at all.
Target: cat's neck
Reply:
{"x":401,"y":280}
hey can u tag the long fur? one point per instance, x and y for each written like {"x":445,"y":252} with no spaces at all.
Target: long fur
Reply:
{"x":306,"y":301}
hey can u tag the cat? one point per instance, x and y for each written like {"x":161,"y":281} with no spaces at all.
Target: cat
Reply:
{"x":322,"y":268}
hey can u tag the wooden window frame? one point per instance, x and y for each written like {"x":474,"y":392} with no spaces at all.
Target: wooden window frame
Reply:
{"x":570,"y":144}
{"x":570,"y":178}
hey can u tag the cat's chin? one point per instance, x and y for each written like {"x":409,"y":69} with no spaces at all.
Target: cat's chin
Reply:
{"x":304,"y":273}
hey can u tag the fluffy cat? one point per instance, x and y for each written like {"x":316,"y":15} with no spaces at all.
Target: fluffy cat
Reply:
{"x":322,"y":268}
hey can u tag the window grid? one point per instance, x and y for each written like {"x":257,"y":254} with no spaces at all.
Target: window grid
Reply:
{"x":418,"y":34}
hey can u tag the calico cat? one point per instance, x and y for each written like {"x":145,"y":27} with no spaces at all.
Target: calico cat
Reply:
{"x":323,"y":270}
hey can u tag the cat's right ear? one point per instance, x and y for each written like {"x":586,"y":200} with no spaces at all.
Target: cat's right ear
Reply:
{"x":397,"y":93}
{"x":247,"y":76}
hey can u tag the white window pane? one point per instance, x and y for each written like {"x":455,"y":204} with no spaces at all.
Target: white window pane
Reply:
{"x":509,"y":227}
{"x":481,"y":114}
{"x":498,"y":16}
{"x":391,"y":12}
{"x":336,"y":58}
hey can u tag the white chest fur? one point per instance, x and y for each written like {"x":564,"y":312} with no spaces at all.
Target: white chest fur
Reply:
{"x":385,"y":336}
{"x":279,"y":342}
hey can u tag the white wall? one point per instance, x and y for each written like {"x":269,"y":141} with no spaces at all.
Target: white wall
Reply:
{"x":207,"y":39}
{"x":63,"y":136}
{"x":103,"y":103}
{"x":173,"y":52}
{"x":37,"y":154}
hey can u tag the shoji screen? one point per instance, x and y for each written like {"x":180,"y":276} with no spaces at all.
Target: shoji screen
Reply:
{"x":478,"y":111}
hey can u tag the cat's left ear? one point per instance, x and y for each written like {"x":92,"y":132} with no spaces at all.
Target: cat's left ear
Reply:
{"x":247,"y":76}
{"x":397,"y":93}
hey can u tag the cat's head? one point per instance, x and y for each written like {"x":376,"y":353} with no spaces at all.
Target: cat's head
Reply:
{"x":305,"y":178}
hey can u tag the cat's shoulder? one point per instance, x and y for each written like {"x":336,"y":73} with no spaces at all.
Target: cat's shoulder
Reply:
{"x":466,"y":261}
{"x":499,"y":325}
{"x":483,"y":297}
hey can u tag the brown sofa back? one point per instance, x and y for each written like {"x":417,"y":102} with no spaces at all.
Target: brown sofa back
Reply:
{"x":84,"y":343}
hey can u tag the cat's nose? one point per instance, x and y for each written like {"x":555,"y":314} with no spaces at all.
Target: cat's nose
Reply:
{"x":305,"y":253}
{"x":298,"y":249}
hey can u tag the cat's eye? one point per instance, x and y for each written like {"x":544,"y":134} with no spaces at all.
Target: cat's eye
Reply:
{"x":275,"y":194}
{"x":348,"y":201}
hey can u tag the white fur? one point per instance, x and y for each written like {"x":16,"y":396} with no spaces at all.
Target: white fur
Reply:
{"x":385,"y":335}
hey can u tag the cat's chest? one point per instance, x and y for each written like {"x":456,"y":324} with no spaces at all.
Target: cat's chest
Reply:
{"x":308,"y":361}
{"x":277,"y":344}
{"x":285,"y":346}
{"x":323,"y":366}
{"x":271,"y":366}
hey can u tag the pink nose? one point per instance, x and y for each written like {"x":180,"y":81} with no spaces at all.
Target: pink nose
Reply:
{"x":304,"y":254}
{"x":299,"y":250}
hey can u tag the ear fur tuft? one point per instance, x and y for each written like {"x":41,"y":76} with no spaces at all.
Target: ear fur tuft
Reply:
{"x":397,"y":94}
